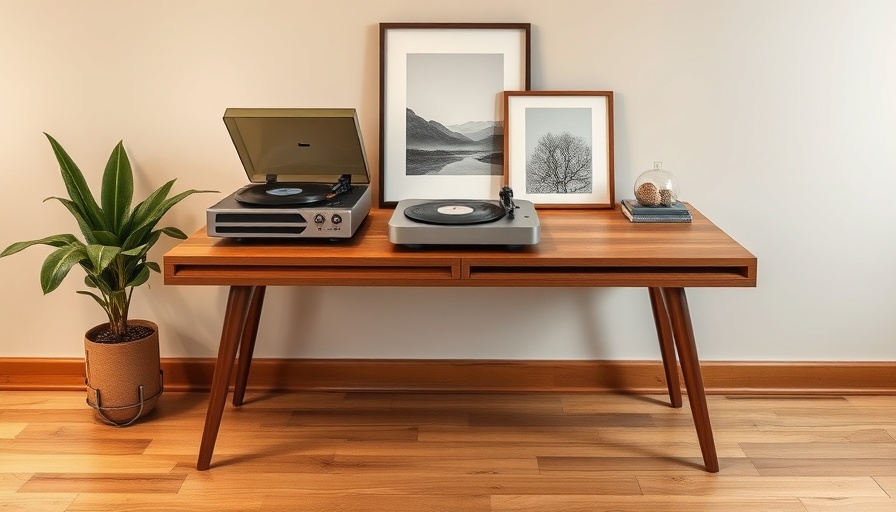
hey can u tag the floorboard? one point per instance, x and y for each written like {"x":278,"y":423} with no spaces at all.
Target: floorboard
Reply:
{"x":447,"y":452}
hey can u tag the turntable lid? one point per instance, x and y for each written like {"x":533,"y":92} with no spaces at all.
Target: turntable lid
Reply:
{"x":298,"y":144}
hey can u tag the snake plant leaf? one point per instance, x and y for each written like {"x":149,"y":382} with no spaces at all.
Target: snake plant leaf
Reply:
{"x":101,"y":256}
{"x":77,"y":187}
{"x":58,"y":264}
{"x":118,"y":189}
{"x":54,"y":241}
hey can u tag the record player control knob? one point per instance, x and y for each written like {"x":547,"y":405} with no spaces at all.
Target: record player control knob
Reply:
{"x":336,"y":218}
{"x":319,"y":218}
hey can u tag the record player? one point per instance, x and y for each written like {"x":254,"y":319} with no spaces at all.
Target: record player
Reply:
{"x":465,"y":222}
{"x":309,"y":173}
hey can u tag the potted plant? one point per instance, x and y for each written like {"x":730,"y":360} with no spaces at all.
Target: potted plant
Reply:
{"x":122,"y":363}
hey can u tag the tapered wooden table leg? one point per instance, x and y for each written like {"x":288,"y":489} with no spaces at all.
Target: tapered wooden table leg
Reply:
{"x":247,"y":345}
{"x":234,"y":319}
{"x":667,"y":345}
{"x":683,"y":331}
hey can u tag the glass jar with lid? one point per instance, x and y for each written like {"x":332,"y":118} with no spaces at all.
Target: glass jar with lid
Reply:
{"x":656,"y":187}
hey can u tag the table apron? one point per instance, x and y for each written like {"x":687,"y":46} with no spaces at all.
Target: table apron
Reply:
{"x":459,"y":276}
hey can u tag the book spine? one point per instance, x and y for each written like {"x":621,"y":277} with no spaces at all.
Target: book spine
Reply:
{"x":637,"y":209}
{"x":658,"y":220}
{"x":655,"y":218}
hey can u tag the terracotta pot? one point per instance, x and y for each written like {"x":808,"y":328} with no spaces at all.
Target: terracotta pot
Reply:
{"x":124,"y":380}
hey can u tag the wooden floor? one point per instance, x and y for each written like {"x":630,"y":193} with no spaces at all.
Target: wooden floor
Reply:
{"x":451,"y":452}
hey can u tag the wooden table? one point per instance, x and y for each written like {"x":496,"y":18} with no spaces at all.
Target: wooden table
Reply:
{"x":578,"y":248}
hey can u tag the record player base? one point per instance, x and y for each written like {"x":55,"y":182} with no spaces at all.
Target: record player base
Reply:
{"x":523,"y":229}
{"x":578,"y":249}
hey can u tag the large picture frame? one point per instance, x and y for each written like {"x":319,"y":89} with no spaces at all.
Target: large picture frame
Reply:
{"x":441,"y":108}
{"x":558,"y":148}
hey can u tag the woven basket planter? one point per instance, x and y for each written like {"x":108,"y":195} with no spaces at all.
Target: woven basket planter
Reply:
{"x":124,"y":380}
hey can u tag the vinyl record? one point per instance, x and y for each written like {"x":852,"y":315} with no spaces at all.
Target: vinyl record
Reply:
{"x":283,"y":194}
{"x":454,"y":213}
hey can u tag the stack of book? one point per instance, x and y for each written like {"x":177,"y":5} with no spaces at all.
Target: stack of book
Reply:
{"x":636,"y":212}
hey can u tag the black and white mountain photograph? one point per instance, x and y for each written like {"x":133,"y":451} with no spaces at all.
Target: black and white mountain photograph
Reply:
{"x":558,"y":151}
{"x":452,"y":105}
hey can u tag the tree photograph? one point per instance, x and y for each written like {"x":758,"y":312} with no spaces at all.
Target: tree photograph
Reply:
{"x":559,"y":164}
{"x":559,"y":152}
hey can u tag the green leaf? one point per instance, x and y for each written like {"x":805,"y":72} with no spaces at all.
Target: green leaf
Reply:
{"x":54,"y":241}
{"x":141,"y":277}
{"x":174,"y":233}
{"x":142,"y":239}
{"x":83,"y":222}
{"x":58,"y":264}
{"x":143,"y":212}
{"x":116,"y":239}
{"x":97,"y":281}
{"x":96,"y":297}
{"x":118,"y":188}
{"x":76,"y":185}
{"x":153,"y":211}
{"x":72,"y":207}
{"x":105,"y":237}
{"x":137,"y":238}
{"x":176,"y":199}
{"x":101,"y":256}
{"x":136,"y":251}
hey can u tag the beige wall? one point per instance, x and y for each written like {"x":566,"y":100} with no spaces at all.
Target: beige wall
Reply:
{"x":777,"y":116}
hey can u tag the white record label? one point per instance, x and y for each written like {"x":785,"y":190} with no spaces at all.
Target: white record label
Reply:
{"x":454,"y":210}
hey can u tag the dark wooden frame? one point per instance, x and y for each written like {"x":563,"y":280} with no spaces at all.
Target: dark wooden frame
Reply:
{"x":512,"y":126}
{"x":385,"y":29}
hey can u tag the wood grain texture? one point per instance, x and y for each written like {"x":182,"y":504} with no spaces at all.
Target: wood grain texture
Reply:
{"x":577,"y":248}
{"x":642,"y":377}
{"x":234,"y":320}
{"x":135,"y":483}
{"x":471,"y":452}
{"x":888,"y":483}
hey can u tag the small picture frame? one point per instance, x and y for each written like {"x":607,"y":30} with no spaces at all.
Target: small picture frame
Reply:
{"x":441,"y":107}
{"x":558,"y":148}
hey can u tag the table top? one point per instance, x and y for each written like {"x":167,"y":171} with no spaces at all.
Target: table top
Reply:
{"x":578,"y":247}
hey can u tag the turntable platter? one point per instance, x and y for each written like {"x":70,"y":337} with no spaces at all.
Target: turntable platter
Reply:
{"x":283,"y":194}
{"x":455,"y":212}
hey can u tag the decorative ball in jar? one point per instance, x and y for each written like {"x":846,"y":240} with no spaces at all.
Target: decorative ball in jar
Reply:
{"x":656,"y":187}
